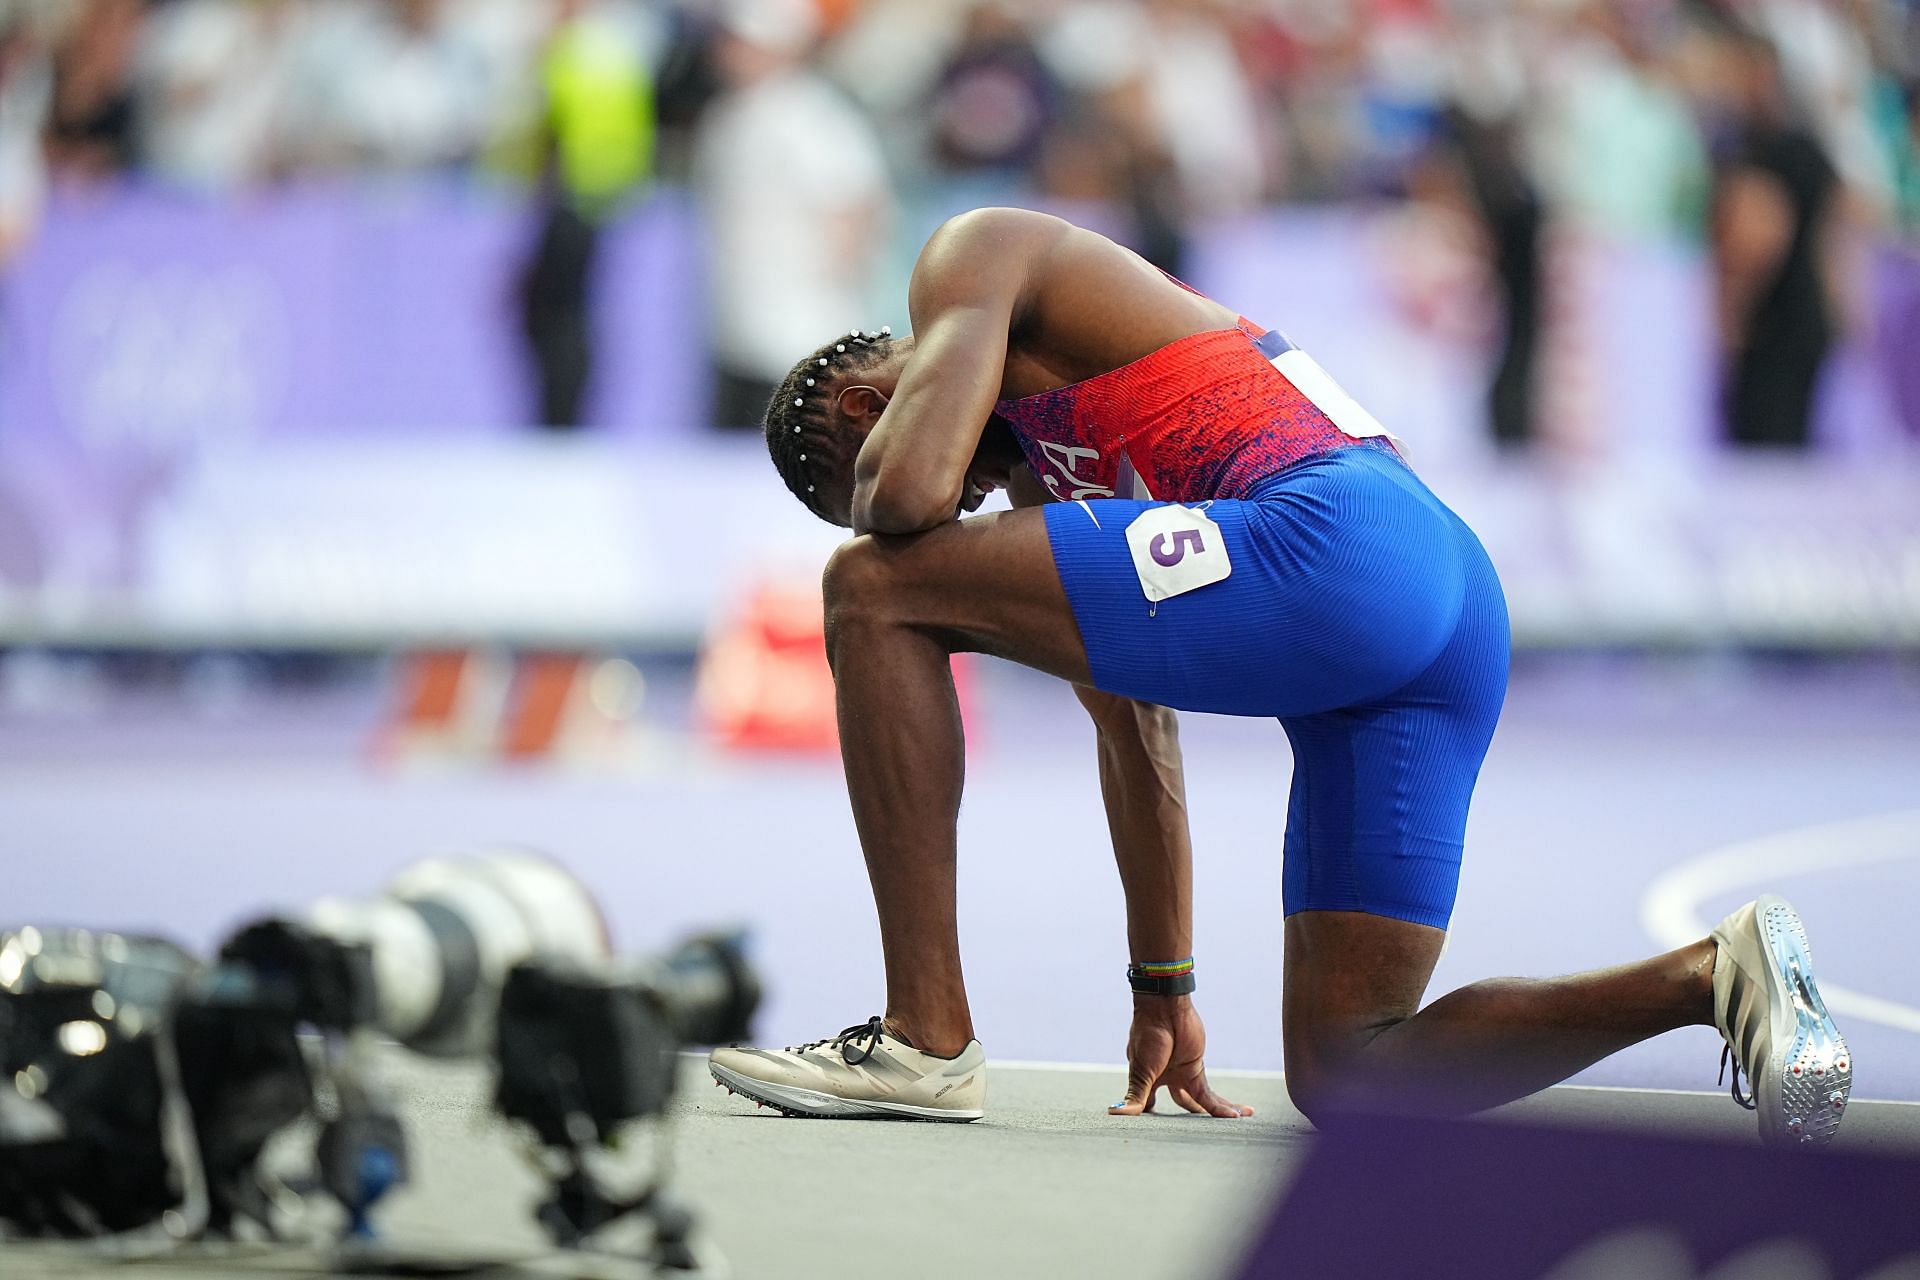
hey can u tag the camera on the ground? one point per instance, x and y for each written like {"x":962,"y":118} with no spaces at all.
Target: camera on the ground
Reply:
{"x":140,"y":1085}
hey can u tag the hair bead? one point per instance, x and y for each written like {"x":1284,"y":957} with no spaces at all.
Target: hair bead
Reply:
{"x":811,"y":413}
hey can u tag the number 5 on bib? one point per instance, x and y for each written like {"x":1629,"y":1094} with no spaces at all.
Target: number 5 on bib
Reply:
{"x":1176,"y":549}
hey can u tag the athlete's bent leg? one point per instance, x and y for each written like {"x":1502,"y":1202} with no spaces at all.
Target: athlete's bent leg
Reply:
{"x":1354,"y":1040}
{"x":897,"y":608}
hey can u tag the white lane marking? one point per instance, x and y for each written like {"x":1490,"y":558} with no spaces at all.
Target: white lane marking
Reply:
{"x":1232,"y":1073}
{"x":1715,"y":1094}
{"x":1120,"y":1069}
{"x":1670,"y":908}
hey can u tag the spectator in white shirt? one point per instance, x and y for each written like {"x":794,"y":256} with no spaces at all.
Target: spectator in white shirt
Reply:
{"x":797,"y":200}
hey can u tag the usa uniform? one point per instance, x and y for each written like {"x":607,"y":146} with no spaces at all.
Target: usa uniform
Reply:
{"x":1236,"y":535}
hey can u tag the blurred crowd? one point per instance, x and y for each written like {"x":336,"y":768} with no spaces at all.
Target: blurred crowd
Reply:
{"x":820,"y":133}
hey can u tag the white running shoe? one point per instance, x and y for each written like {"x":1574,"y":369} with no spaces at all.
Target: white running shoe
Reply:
{"x":864,"y":1073}
{"x":1776,"y":1026}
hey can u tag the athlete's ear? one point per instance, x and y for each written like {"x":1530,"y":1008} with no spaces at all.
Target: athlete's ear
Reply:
{"x":863,"y":404}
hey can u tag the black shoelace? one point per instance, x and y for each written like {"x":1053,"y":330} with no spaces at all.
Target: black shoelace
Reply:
{"x":1744,"y":1099}
{"x":862,"y":1038}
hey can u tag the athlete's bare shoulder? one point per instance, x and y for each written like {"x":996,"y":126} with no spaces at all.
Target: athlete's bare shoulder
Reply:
{"x":984,"y":253}
{"x":993,"y":231}
{"x":1077,"y":303}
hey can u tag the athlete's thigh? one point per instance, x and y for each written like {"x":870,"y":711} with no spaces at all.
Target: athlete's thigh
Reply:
{"x":985,"y":584}
{"x":1327,"y":586}
{"x":1377,"y":816}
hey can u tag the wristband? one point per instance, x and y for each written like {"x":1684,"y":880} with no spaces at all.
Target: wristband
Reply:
{"x":1161,"y":977}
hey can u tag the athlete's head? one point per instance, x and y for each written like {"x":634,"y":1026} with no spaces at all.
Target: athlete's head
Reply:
{"x":822,"y":413}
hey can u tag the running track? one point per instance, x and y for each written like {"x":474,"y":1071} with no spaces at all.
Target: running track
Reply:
{"x":1607,"y":774}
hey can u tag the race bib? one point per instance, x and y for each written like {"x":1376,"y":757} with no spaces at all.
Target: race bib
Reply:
{"x":1176,"y":549}
{"x":1317,"y":385}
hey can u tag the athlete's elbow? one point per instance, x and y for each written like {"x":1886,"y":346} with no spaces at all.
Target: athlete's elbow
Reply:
{"x":898,"y":509}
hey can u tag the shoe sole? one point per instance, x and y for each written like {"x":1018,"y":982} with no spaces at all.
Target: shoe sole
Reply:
{"x":1810,"y":1068}
{"x":790,"y":1100}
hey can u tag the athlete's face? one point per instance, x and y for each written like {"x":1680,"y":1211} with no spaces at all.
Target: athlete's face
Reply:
{"x":993,"y":463}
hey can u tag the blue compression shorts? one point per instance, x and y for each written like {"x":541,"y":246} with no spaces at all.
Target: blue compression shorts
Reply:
{"x":1366,"y":617}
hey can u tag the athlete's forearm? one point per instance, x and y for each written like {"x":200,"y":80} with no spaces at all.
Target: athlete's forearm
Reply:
{"x":967,"y":288}
{"x":1146,"y":799}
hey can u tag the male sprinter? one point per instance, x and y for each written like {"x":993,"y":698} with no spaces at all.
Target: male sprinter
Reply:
{"x":1220,"y":528}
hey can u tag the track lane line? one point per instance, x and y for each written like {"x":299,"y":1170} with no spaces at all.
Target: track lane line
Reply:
{"x":1670,"y":907}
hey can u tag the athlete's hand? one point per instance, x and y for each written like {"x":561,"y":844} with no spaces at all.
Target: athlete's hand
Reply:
{"x":1165,"y":1047}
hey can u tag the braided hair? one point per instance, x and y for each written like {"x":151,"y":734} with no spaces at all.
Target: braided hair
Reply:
{"x":805,"y":436}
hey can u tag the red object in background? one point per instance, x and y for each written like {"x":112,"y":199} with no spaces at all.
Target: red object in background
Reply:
{"x":546,"y":685}
{"x":564,"y":706}
{"x":764,"y":683}
{"x":835,"y":14}
{"x":434,"y":681}
{"x":450,"y":704}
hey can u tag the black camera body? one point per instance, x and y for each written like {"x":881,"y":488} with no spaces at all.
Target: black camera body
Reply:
{"x":139,"y":1086}
{"x":600,"y":1042}
{"x":85,"y":1046}
{"x":146,"y":1084}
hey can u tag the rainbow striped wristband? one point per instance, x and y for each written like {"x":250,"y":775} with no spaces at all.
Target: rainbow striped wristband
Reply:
{"x":1161,"y":977}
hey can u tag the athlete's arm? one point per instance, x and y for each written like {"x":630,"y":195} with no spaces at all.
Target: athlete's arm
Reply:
{"x":1145,"y":792}
{"x":967,"y":292}
{"x":1146,"y":796}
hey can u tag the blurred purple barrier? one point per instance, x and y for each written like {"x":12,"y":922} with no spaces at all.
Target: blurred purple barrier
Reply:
{"x":1896,"y":301}
{"x":1387,"y":1200}
{"x":290,"y":419}
{"x":152,"y":321}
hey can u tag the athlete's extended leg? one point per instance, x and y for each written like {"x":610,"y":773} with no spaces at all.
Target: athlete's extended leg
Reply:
{"x":1354,"y":1040}
{"x":1375,"y":827}
{"x":897,"y":608}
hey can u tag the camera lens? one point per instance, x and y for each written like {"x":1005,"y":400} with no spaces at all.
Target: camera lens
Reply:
{"x":446,"y":932}
{"x":713,"y":989}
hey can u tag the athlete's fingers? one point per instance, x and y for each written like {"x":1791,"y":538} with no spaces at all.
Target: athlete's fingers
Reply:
{"x":1185,"y":1099}
{"x":1143,"y":1085}
{"x":1219,"y":1106}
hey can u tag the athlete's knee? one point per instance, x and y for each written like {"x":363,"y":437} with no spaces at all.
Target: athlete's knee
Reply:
{"x":1309,"y":1093}
{"x":1313,"y":1076}
{"x":857,"y":585}
{"x":1328,"y":1072}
